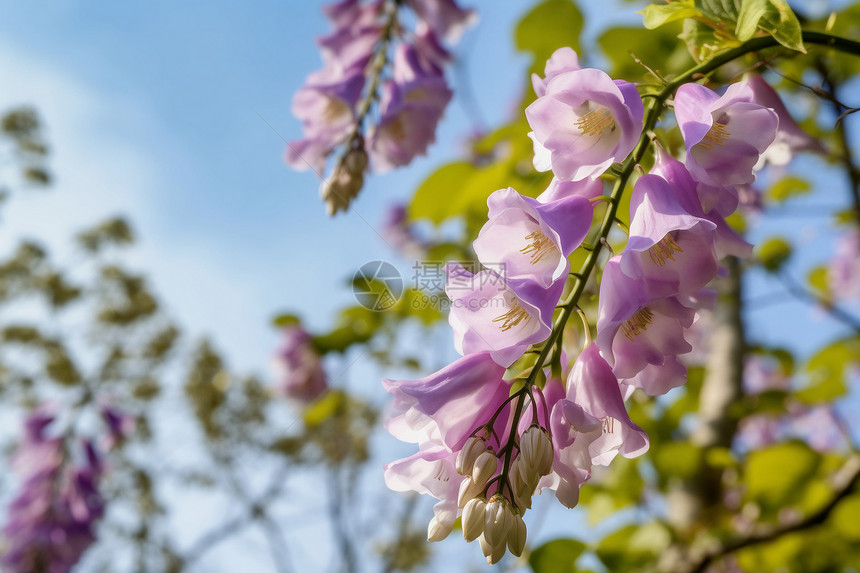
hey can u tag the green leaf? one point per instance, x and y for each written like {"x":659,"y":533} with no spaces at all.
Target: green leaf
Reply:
{"x":286,"y":319}
{"x":556,"y":556}
{"x":522,"y":367}
{"x":678,"y":459}
{"x":819,"y":279}
{"x":775,"y":476}
{"x":827,"y":371}
{"x":788,"y":187}
{"x":659,"y":49}
{"x":550,"y":25}
{"x":773,"y":253}
{"x":655,"y":15}
{"x":329,"y":405}
{"x":845,"y":520}
{"x":435,"y":197}
{"x":773,"y":17}
{"x":633,"y":546}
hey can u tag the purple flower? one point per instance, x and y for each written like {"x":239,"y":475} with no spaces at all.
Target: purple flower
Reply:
{"x":411,"y":107}
{"x":635,"y":330}
{"x":50,"y":521}
{"x":444,"y":17}
{"x":657,"y":379}
{"x":762,"y":373}
{"x":670,"y":249}
{"x":583,"y":123}
{"x":562,"y":60}
{"x":398,"y":232}
{"x":299,"y":367}
{"x":790,"y":137}
{"x":120,"y":426}
{"x":588,"y":188}
{"x":844,"y":269}
{"x":449,"y":404}
{"x":724,"y":135}
{"x":532,"y":239}
{"x":708,"y":202}
{"x":440,"y":412}
{"x":593,"y":389}
{"x":489,"y":315}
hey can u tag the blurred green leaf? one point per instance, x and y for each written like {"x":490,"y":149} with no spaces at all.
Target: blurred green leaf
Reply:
{"x":435,"y":197}
{"x":775,"y":476}
{"x":550,"y":25}
{"x":846,"y":517}
{"x":678,"y":459}
{"x":328,"y":406}
{"x":826,"y":371}
{"x":773,"y":253}
{"x":286,"y":319}
{"x":655,"y":15}
{"x":786,"y":188}
{"x":556,"y":556}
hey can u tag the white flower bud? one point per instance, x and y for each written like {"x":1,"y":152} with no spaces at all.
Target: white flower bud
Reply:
{"x":437,"y":531}
{"x":517,"y":536}
{"x":536,"y":448}
{"x":473,"y":448}
{"x":473,"y":518}
{"x":493,"y":553}
{"x":522,"y":489}
{"x":497,"y":520}
{"x":484,"y":468}
{"x":468,"y":490}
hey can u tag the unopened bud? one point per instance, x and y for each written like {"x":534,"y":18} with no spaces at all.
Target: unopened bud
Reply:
{"x":484,"y":468}
{"x":466,"y":457}
{"x":497,"y":520}
{"x":536,"y":448}
{"x":473,"y":518}
{"x":493,"y":553}
{"x":437,"y":531}
{"x":468,"y":490}
{"x":346,"y":179}
{"x":517,"y":536}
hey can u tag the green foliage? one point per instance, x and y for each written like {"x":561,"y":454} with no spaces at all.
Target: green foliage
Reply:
{"x":827,"y":371}
{"x":550,"y":25}
{"x":773,"y":253}
{"x":787,"y":188}
{"x":633,"y":546}
{"x":775,"y":476}
{"x":655,"y":15}
{"x":556,"y":556}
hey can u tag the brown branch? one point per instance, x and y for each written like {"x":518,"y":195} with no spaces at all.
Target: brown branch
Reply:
{"x":844,"y":482}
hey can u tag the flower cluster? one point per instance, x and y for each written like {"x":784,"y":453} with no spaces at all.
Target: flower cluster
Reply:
{"x":369,"y":56}
{"x":485,"y":445}
{"x":298,"y":366}
{"x":51,"y":520}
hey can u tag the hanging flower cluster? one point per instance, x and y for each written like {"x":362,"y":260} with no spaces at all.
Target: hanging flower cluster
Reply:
{"x":486,"y":445}
{"x":51,"y":521}
{"x":298,"y":366}
{"x":373,"y":64}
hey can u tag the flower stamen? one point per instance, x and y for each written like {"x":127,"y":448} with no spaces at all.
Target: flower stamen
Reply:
{"x":596,"y":122}
{"x":512,"y":318}
{"x":539,"y":247}
{"x":664,"y":249}
{"x":638,"y":323}
{"x":717,"y":135}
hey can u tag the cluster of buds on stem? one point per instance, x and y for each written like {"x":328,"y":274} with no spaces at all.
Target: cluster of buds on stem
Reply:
{"x":494,"y":519}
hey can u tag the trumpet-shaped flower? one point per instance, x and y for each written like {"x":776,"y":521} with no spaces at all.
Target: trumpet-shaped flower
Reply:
{"x":593,"y":389}
{"x":489,"y":314}
{"x":562,"y":60}
{"x":670,"y":249}
{"x":532,"y":239}
{"x":724,"y":135}
{"x":583,"y":123}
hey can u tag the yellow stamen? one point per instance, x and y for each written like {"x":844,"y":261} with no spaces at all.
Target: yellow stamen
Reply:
{"x":539,"y":247}
{"x":512,"y":318}
{"x":664,"y":249}
{"x":441,"y":474}
{"x":608,"y":425}
{"x":717,"y":135}
{"x":638,"y":323}
{"x":596,"y":122}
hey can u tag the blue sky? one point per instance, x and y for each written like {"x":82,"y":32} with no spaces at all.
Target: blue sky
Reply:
{"x":153,"y":110}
